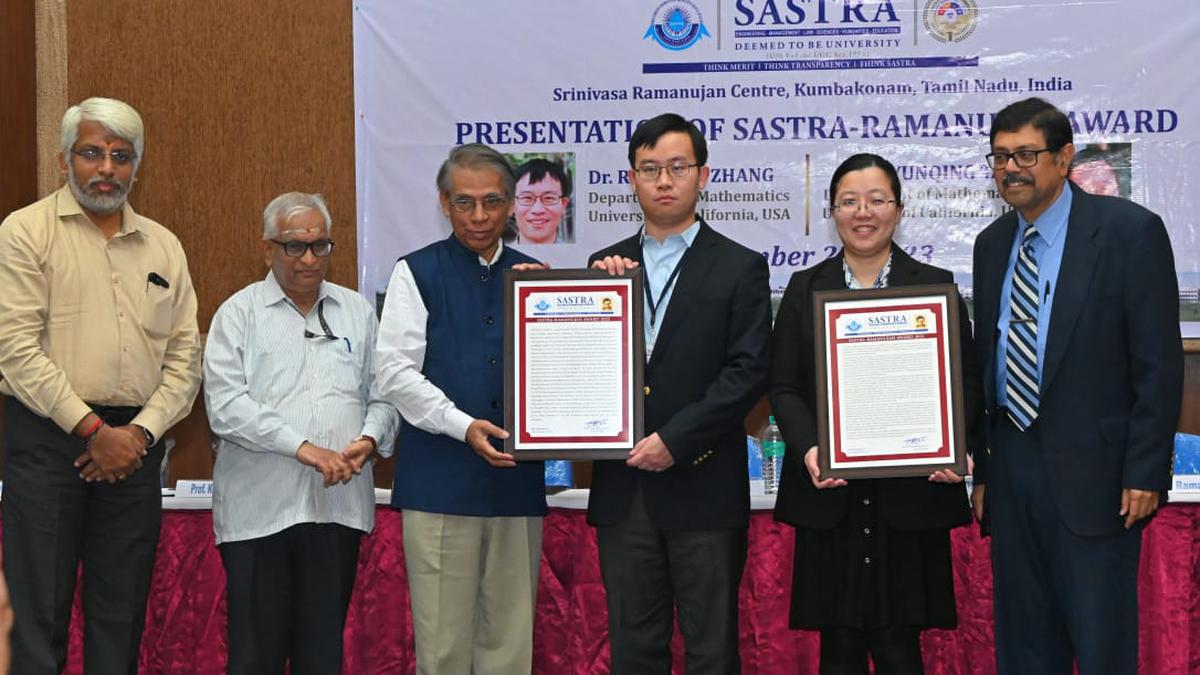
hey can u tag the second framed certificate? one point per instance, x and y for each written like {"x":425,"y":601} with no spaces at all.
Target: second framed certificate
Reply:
{"x":889,"y":382}
{"x":574,"y":363}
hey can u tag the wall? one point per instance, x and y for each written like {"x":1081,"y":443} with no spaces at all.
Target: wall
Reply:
{"x":18,"y":113}
{"x":241,"y":101}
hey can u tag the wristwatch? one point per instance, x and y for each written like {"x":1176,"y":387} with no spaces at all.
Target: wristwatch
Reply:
{"x":149,"y":436}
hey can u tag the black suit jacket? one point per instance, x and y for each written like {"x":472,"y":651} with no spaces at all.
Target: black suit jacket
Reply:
{"x":708,"y":369}
{"x":906,"y":503}
{"x":1112,"y":381}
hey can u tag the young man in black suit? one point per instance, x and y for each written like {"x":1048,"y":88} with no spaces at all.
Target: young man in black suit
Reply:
{"x":1077,"y":330}
{"x":672,"y":518}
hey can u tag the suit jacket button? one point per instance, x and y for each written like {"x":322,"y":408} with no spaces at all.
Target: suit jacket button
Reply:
{"x":646,"y":390}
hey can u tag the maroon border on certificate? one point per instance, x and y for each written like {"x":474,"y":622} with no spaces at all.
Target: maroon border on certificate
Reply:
{"x":943,"y":401}
{"x":944,"y":301}
{"x":622,"y":291}
{"x":629,"y":287}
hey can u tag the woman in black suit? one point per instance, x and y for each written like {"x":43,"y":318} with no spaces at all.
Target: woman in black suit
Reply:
{"x":872,"y":565}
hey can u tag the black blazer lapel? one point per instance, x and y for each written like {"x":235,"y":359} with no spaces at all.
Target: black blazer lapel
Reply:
{"x":1080,"y":252}
{"x":699,"y":262}
{"x":905,"y":270}
{"x":992,"y":266}
{"x":630,"y":247}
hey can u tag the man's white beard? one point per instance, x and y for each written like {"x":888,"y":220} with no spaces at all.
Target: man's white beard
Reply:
{"x":101,"y":205}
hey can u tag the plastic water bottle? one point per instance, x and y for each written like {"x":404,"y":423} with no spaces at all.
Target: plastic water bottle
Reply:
{"x":772,"y":450}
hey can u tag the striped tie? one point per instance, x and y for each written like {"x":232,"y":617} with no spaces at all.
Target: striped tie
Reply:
{"x":1021,"y":381}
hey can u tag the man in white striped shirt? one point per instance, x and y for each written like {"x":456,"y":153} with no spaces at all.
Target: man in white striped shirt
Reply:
{"x":290,"y":395}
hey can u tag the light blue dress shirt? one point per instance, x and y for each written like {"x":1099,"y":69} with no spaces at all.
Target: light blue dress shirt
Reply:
{"x":1047,"y":253}
{"x":658,"y":262}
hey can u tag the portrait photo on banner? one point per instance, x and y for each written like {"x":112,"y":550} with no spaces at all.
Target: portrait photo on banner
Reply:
{"x":544,"y":208}
{"x":1104,"y":169}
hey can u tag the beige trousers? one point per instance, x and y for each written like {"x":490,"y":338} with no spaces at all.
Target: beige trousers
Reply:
{"x":473,"y":583}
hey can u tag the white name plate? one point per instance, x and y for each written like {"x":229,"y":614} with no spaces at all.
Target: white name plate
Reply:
{"x":194,"y":488}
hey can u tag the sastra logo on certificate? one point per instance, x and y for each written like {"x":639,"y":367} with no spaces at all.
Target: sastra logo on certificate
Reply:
{"x":885,"y":323}
{"x":676,"y":25}
{"x":583,"y":303}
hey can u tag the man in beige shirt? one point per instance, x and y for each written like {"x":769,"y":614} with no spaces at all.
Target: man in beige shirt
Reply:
{"x":100,"y":355}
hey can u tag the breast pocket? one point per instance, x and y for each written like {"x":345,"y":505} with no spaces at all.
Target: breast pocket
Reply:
{"x":156,"y":311}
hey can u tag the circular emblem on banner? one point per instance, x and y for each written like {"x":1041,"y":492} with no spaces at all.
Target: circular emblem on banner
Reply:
{"x":951,"y":20}
{"x":676,"y":25}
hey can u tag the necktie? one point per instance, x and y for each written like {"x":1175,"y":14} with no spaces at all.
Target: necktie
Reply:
{"x":1021,"y":383}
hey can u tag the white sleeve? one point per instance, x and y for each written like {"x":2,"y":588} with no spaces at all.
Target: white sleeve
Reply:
{"x":381,"y":422}
{"x":232,"y":413}
{"x":400,"y":355}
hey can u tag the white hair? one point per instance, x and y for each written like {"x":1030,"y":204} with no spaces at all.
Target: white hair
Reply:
{"x":118,"y":117}
{"x":284,"y":207}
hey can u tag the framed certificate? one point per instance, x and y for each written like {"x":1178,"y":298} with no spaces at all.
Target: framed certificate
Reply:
{"x":574,"y":356}
{"x":889,"y":382}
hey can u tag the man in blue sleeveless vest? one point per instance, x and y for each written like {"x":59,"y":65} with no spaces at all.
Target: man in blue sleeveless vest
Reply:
{"x":472,"y":515}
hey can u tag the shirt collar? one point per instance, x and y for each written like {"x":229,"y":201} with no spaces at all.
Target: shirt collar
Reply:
{"x":483,"y":262}
{"x":1053,"y":221}
{"x":67,"y":205}
{"x":881,"y":281}
{"x":688,"y":235}
{"x":272,"y":292}
{"x":495,"y":256}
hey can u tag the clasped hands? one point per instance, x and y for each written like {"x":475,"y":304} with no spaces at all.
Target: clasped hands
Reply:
{"x":113,"y":454}
{"x":337,"y":467}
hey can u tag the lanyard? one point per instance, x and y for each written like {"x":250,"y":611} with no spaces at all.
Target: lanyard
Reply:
{"x":324,"y":326}
{"x":654,"y":305}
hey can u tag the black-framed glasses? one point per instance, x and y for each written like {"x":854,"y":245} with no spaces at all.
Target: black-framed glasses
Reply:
{"x":853,"y":204}
{"x":491,"y":203}
{"x":93,"y":155}
{"x":549,"y":199}
{"x":1023,"y":158}
{"x":296,"y":249}
{"x":651,"y":172}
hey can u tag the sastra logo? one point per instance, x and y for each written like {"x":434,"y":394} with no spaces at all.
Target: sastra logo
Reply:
{"x":951,"y":20}
{"x":542,"y":305}
{"x":854,"y":325}
{"x":676,"y":25}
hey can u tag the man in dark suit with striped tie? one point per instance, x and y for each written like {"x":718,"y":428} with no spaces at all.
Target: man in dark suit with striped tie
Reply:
{"x":1077,"y":327}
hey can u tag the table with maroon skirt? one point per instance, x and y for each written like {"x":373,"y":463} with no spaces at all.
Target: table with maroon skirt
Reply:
{"x":185,"y":621}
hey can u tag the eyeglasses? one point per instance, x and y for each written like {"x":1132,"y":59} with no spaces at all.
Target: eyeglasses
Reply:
{"x":296,"y":249}
{"x":1023,"y":158}
{"x":96,"y":155}
{"x":491,"y":203}
{"x":853,"y":204}
{"x":546,"y":199}
{"x":650,"y":172}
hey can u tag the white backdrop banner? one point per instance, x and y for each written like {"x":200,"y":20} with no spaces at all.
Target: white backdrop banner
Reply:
{"x":783,"y":90}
